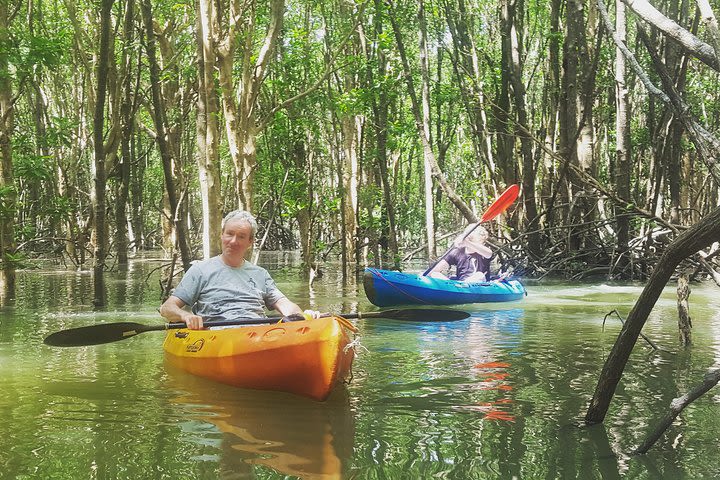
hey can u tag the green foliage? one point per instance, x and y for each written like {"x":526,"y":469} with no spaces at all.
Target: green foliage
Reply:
{"x":29,"y":52}
{"x":13,"y":260}
{"x":52,"y":69}
{"x":60,"y":207}
{"x":33,"y":168}
{"x":352,"y":102}
{"x":60,"y":132}
{"x":8,"y":195}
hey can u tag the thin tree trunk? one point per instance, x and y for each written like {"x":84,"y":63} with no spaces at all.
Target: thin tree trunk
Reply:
{"x":505,"y":140}
{"x":711,"y":24}
{"x":512,"y":12}
{"x":178,"y":221}
{"x":577,"y":128}
{"x":100,"y":181}
{"x":8,"y":194}
{"x":701,"y":50}
{"x":350,"y":128}
{"x":684,"y":321}
{"x":240,"y":103}
{"x":427,"y":159}
{"x":137,"y":175}
{"x":676,"y":407}
{"x":380,"y":112}
{"x":466,"y":66}
{"x":622,"y":139}
{"x":350,"y":132}
{"x":465,"y":210}
{"x":304,"y":162}
{"x":128,"y":125}
{"x":207,"y":131}
{"x":552,"y":101}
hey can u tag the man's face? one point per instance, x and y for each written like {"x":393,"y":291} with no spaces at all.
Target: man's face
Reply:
{"x":236,"y":238}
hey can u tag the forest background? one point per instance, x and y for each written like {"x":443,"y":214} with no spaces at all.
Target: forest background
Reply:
{"x":371,"y":131}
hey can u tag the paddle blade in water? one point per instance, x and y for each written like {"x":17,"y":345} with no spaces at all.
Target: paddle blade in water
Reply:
{"x":502,"y":203}
{"x":98,"y":334}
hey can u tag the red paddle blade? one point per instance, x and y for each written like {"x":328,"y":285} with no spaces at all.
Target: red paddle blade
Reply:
{"x":501,"y":203}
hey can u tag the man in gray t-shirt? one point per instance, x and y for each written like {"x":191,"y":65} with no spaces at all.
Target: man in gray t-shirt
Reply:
{"x":218,"y":291}
{"x":227,"y":287}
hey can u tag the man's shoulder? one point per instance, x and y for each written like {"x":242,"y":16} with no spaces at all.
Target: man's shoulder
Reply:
{"x":253,"y":269}
{"x":205,"y":265}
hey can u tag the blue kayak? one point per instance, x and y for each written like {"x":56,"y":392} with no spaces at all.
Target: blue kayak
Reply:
{"x":385,"y":288}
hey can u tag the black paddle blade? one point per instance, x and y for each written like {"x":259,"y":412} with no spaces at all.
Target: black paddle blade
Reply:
{"x":98,"y":334}
{"x":421,"y":314}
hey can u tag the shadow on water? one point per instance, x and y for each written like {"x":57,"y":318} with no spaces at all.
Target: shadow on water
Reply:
{"x":289,"y":434}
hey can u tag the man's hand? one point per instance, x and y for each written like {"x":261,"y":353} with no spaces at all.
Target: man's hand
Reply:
{"x":503,"y":276}
{"x":193,"y":322}
{"x":293,"y":317}
{"x":305,"y":315}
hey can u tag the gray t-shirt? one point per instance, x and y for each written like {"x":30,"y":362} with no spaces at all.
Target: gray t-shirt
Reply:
{"x":216,"y":291}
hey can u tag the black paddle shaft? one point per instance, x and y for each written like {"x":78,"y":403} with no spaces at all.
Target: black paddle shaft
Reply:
{"x":113,"y":332}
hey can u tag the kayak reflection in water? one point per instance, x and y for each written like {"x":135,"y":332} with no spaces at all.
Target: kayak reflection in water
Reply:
{"x":288,"y":434}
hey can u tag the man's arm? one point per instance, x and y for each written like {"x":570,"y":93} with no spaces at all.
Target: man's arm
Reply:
{"x":438,"y":271}
{"x":287,"y":308}
{"x":480,"y":248}
{"x":173,"y":311}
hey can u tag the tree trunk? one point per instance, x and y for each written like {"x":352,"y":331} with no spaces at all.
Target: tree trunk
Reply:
{"x":128,"y":125}
{"x":551,"y":94}
{"x":684,"y":321}
{"x":622,"y":138}
{"x":179,"y":221}
{"x":207,"y":131}
{"x":505,"y":140}
{"x":512,"y":13}
{"x":428,"y":154}
{"x":100,"y":181}
{"x":304,"y":162}
{"x":381,"y":105}
{"x":466,"y":66}
{"x":578,"y":137}
{"x":697,"y":237}
{"x":701,"y":50}
{"x":711,"y":24}
{"x":677,"y":406}
{"x":137,"y":175}
{"x":427,"y":157}
{"x":240,"y":108}
{"x":351,"y":133}
{"x":8,"y":194}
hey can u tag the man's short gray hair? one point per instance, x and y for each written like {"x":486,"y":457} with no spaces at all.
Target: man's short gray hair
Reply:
{"x":244,"y":216}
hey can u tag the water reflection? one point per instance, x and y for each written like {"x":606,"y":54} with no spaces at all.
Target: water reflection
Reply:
{"x":426,"y":401}
{"x":287,"y":433}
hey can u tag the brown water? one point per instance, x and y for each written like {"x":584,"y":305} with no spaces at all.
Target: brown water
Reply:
{"x":499,"y":395}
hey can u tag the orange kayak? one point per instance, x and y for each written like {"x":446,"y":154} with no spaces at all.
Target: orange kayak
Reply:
{"x":306,"y":358}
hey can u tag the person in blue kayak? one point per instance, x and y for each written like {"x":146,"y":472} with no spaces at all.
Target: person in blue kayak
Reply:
{"x":469,"y":255}
{"x":228,"y":286}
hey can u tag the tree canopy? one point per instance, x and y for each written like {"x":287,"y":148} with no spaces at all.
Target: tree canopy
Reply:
{"x":364,"y":130}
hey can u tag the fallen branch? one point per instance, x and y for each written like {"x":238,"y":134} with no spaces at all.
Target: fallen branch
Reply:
{"x":654,"y":347}
{"x":676,"y":406}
